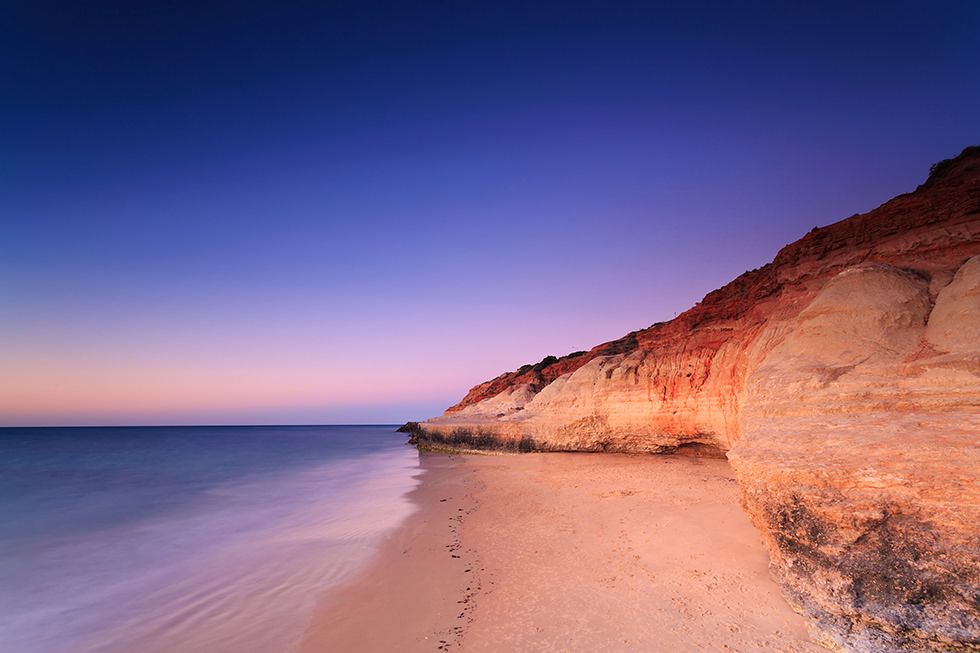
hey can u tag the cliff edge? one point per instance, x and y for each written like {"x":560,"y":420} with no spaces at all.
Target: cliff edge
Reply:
{"x":842,"y":381}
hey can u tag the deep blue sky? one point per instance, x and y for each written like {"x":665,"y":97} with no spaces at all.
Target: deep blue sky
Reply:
{"x":353,"y":211}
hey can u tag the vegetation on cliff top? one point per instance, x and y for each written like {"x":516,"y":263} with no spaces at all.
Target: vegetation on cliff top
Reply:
{"x":940,"y":169}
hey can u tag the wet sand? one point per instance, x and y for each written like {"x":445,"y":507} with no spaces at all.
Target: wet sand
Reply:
{"x":566,"y":552}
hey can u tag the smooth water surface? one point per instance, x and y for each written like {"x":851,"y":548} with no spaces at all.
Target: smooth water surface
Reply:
{"x":187,"y":538}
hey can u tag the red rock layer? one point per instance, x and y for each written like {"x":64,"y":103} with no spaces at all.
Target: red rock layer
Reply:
{"x":683,"y":381}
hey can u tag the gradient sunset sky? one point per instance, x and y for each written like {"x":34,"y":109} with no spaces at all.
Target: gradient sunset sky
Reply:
{"x":343,"y":212}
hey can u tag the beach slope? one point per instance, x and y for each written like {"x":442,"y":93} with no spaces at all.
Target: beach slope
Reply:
{"x":567,"y":552}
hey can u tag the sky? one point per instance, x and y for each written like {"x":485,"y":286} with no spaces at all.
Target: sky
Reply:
{"x":352,"y":212}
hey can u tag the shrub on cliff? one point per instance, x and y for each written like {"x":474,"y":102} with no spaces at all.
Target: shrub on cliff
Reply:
{"x":545,"y":362}
{"x":940,"y":169}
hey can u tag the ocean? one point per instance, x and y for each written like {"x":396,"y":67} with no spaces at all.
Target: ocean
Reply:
{"x":188,"y":539}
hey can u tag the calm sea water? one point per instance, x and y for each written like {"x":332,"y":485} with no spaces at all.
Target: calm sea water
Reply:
{"x":187,"y":538}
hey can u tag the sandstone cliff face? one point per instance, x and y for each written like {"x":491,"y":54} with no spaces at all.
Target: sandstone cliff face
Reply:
{"x":843,"y":381}
{"x":860,"y":463}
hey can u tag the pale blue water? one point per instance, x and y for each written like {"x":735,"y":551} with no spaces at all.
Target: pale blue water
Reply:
{"x":188,"y":538}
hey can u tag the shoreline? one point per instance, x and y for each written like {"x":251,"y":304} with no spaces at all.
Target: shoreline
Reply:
{"x":406,"y":598}
{"x":565,"y":551}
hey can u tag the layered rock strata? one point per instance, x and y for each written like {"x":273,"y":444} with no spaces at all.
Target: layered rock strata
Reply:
{"x":860,"y":460}
{"x":842,"y":380}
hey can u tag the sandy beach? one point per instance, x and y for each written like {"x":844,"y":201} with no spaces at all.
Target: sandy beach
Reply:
{"x":566,"y":552}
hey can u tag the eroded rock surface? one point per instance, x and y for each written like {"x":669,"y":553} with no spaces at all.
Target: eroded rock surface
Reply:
{"x":860,"y":463}
{"x":842,"y":380}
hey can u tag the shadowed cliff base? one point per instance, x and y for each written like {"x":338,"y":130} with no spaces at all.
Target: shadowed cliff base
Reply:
{"x":466,"y":440}
{"x":842,"y":380}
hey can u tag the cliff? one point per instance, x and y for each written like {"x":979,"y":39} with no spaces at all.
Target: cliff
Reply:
{"x":842,"y":380}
